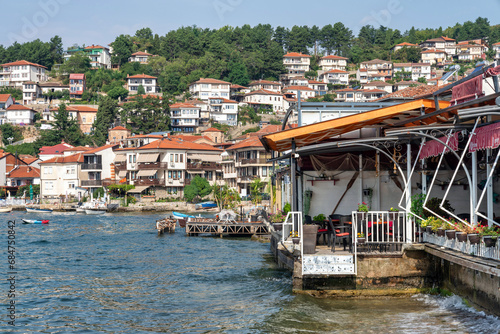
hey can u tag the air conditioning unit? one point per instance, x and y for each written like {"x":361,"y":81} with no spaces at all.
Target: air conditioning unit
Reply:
{"x":170,"y":181}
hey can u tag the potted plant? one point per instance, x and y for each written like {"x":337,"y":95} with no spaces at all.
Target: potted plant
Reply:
{"x":363,"y":207}
{"x":295,"y":237}
{"x":461,"y":231}
{"x":277,"y":220}
{"x":450,"y":230}
{"x":361,"y":238}
{"x":490,"y":235}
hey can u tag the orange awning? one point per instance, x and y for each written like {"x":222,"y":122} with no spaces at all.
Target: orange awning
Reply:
{"x":317,"y":132}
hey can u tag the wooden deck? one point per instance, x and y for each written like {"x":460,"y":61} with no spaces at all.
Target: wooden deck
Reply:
{"x":226,"y":228}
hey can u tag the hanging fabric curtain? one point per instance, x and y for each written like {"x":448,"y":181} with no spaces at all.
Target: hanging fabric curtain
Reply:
{"x":434,"y":148}
{"x":485,"y":137}
{"x":468,"y":91}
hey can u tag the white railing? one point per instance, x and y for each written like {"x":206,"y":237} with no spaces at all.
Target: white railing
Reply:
{"x":292,"y":223}
{"x":466,"y":247}
{"x":383,"y":227}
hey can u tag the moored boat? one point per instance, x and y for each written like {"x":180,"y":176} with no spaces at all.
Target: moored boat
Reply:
{"x":181,"y":218}
{"x":95,"y":211}
{"x":205,"y":205}
{"x":35,"y":210}
{"x":6,"y":209}
{"x":33,"y":221}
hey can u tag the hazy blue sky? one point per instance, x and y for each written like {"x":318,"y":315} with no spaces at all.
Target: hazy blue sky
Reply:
{"x":99,"y":22}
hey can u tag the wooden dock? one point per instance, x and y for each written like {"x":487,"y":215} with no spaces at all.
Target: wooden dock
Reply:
{"x":165,"y":225}
{"x":229,"y":228}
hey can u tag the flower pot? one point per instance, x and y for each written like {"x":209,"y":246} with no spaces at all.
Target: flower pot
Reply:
{"x":428,"y":229}
{"x":309,"y":238}
{"x":461,"y":236}
{"x":296,"y":240}
{"x":474,"y":238}
{"x":440,"y":232}
{"x":450,"y":234}
{"x":278,"y":226}
{"x":490,"y":241}
{"x":361,"y":240}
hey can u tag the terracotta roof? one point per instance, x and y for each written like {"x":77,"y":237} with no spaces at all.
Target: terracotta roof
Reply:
{"x":191,"y":138}
{"x":4,"y":97}
{"x":211,"y":81}
{"x":141,"y":53}
{"x":141,"y":76}
{"x":82,"y":108}
{"x":169,"y":143}
{"x":18,"y":107}
{"x":249,"y":142}
{"x":79,"y":149}
{"x":446,"y":38}
{"x":433,"y":51}
{"x":145,"y":136}
{"x":212,"y":130}
{"x":95,"y":47}
{"x":56,"y":149}
{"x":316,"y":82}
{"x":274,"y":128}
{"x":144,"y":96}
{"x":182,"y":105}
{"x":238,"y":86}
{"x":339,"y":71}
{"x":333,"y":57}
{"x":266,"y":82}
{"x":24,"y":172}
{"x":406,"y":44}
{"x":497,"y":43}
{"x":77,"y":76}
{"x":194,"y":102}
{"x":375,"y":61}
{"x":117,"y":128}
{"x":378,"y":83}
{"x":297,"y":88}
{"x":223,"y":100}
{"x":101,"y":148}
{"x":262,"y":92}
{"x":408,"y":83}
{"x":411,"y":92}
{"x":296,"y":54}
{"x":62,"y":160}
{"x":22,"y":63}
{"x":28,"y":159}
{"x":30,"y":83}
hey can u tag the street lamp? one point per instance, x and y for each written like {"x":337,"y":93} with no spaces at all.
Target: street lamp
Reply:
{"x":10,"y":139}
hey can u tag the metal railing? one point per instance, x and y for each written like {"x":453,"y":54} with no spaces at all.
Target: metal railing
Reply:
{"x":91,"y":166}
{"x":465,"y":247}
{"x":292,"y":223}
{"x":383,"y":227}
{"x":86,"y":183}
{"x":203,"y":166}
{"x":153,"y":165}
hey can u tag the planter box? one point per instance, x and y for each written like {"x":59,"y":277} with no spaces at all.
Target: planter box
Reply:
{"x":490,"y":241}
{"x":461,"y":236}
{"x":450,"y":234}
{"x":474,"y":238}
{"x":440,"y":232}
{"x":309,"y":238}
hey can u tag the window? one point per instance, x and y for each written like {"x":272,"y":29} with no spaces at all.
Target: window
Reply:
{"x":134,"y":157}
{"x":181,"y":158}
{"x":264,"y":171}
{"x":84,"y":119}
{"x":47,"y":170}
{"x":179,"y":174}
{"x":49,"y":186}
{"x":169,"y":174}
{"x":176,"y":158}
{"x":71,"y":185}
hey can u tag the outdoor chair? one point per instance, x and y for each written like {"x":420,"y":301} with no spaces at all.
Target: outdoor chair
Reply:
{"x":341,"y":232}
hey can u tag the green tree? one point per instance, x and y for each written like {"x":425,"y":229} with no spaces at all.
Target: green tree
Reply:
{"x":65,"y":128}
{"x":17,"y":94}
{"x":146,"y":115}
{"x":198,"y":189}
{"x":26,"y":190}
{"x":225,"y":197}
{"x":141,"y":90}
{"x":237,"y":71}
{"x":106,"y":116}
{"x":77,"y":63}
{"x":118,"y":92}
{"x":256,"y":188}
{"x":122,"y":49}
{"x":10,"y":131}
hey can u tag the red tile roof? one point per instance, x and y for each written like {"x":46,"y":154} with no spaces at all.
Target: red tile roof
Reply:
{"x":333,"y":57}
{"x":28,"y":159}
{"x":22,"y":63}
{"x":77,"y":76}
{"x":184,"y":105}
{"x":378,"y":83}
{"x":101,"y":148}
{"x":265,"y":82}
{"x":79,"y":149}
{"x":119,"y":128}
{"x":18,"y":107}
{"x":75,"y":158}
{"x":249,"y":142}
{"x":497,"y":43}
{"x":375,"y":61}
{"x":262,"y":92}
{"x":141,"y":76}
{"x":144,"y":96}
{"x":212,"y":130}
{"x":238,"y":86}
{"x":297,"y":88}
{"x":315,"y":82}
{"x":433,"y":51}
{"x":56,"y":149}
{"x":406,"y":44}
{"x":412,"y":92}
{"x":24,"y":172}
{"x":223,"y":100}
{"x":176,"y":144}
{"x":4,"y":97}
{"x":141,"y":53}
{"x":211,"y":81}
{"x":95,"y":47}
{"x":295,"y":54}
{"x":340,"y":71}
{"x":145,"y":136}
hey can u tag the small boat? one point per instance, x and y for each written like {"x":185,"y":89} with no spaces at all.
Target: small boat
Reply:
{"x":35,"y":210}
{"x":32,"y":221}
{"x":6,"y":209}
{"x":181,"y":218}
{"x":95,"y":211}
{"x":205,"y":205}
{"x":166,"y":224}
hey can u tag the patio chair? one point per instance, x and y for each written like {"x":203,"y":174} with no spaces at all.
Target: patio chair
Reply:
{"x":341,"y":232}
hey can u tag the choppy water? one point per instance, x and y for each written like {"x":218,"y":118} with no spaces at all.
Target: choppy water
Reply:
{"x":113,"y":274}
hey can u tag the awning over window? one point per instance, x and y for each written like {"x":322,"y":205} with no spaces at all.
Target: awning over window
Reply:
{"x":122,"y":174}
{"x":204,"y":157}
{"x":121,"y":158}
{"x":147,"y":172}
{"x":138,"y":189}
{"x":434,"y":148}
{"x":485,"y":137}
{"x":148,"y":157}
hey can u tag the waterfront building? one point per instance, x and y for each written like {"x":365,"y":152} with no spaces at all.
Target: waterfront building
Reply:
{"x":22,"y":175}
{"x":8,"y":162}
{"x":14,"y":74}
{"x":49,"y":152}
{"x":96,"y":170}
{"x":60,"y":177}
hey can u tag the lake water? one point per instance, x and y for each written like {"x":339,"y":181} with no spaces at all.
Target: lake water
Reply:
{"x":113,"y":274}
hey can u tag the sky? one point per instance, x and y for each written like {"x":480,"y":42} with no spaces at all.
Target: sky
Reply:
{"x":100,"y":22}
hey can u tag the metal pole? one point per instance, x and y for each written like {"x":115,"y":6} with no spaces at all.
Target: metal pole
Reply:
{"x":360,"y":178}
{"x":293,"y":178}
{"x":489,"y":191}
{"x":377,"y":185}
{"x":409,"y":222}
{"x":473,"y":189}
{"x":299,"y":109}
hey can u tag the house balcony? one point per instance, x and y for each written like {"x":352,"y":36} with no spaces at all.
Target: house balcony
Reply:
{"x":119,"y":166}
{"x":256,"y":161}
{"x":230,"y":175}
{"x":153,"y":165}
{"x":247,"y":178}
{"x":203,"y":166}
{"x":91,"y":166}
{"x":149,"y":182}
{"x":92,"y":183}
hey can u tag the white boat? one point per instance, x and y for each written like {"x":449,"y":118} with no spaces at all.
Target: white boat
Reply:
{"x":35,"y":210}
{"x":95,"y":211}
{"x":6,"y":209}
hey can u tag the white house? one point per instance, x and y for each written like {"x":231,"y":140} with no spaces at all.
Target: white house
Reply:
{"x":19,"y":114}
{"x":31,"y":92}
{"x":6,"y":101}
{"x":224,"y":111}
{"x":416,"y":70}
{"x":443,"y":43}
{"x":305,"y":92}
{"x":335,"y":77}
{"x":332,"y":62}
{"x":296,"y":64}
{"x":433,"y":56}
{"x":140,"y":57}
{"x":272,"y":86}
{"x":320,"y":88}
{"x":470,"y":51}
{"x":15,"y":73}
{"x":147,"y":81}
{"x":263,"y":98}
{"x":185,"y":117}
{"x":206,"y":88}
{"x":359,"y":95}
{"x":375,"y":69}
{"x":100,"y":56}
{"x":496,"y":47}
{"x":60,"y":176}
{"x":96,"y":166}
{"x":381,"y":85}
